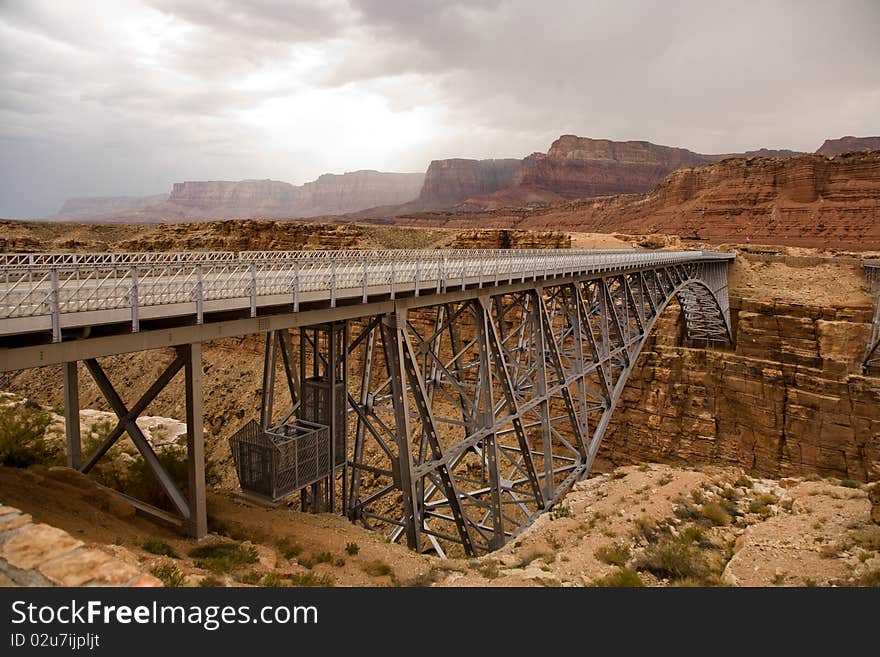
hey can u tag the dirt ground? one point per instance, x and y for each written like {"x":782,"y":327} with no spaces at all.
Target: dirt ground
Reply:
{"x":661,"y":525}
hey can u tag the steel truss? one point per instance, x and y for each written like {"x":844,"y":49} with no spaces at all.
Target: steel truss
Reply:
{"x":191,"y":514}
{"x":871,"y":360}
{"x":471,"y":418}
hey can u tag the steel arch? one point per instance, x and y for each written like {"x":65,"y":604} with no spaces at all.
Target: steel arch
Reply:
{"x":474,"y":417}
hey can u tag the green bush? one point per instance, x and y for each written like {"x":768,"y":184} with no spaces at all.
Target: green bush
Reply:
{"x":621,"y":577}
{"x":675,"y":558}
{"x":169,"y":574}
{"x":22,"y":437}
{"x":223,"y":557}
{"x":311,"y":579}
{"x":161,"y":548}
{"x":351,"y":549}
{"x":613,"y":555}
{"x":715,"y":514}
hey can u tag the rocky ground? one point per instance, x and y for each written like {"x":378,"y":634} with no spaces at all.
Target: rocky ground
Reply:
{"x":648,"y":525}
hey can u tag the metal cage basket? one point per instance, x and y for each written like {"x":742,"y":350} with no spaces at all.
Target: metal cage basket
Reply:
{"x":283,"y":460}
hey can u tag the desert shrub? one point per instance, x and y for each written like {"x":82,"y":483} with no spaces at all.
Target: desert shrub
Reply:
{"x":693,"y":534}
{"x":275,"y":581}
{"x":210,"y":581}
{"x":560,"y":511}
{"x":169,"y":574}
{"x":646,"y":528}
{"x":22,"y":437}
{"x":289,"y":550}
{"x":223,"y":557}
{"x":675,"y":558}
{"x":311,"y":579}
{"x":490,"y":570}
{"x":351,"y":549}
{"x":251,"y":577}
{"x":868,"y":539}
{"x":376,"y":568}
{"x":715,"y":513}
{"x":850,"y":483}
{"x":743,"y":482}
{"x":161,"y":548}
{"x":613,"y":555}
{"x":621,"y":577}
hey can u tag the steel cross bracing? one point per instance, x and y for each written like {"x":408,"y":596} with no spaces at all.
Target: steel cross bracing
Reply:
{"x":871,"y":360}
{"x":471,"y":418}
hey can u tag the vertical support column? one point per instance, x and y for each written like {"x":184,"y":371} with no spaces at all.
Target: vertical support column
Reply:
{"x":71,"y":415}
{"x":195,"y":441}
{"x":267,"y":400}
{"x":391,"y":326}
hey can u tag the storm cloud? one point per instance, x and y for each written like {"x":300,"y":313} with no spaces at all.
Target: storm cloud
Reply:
{"x":124,"y":97}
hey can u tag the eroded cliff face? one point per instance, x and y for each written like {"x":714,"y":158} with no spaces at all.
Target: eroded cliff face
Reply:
{"x":848,"y":144}
{"x":330,"y":194}
{"x":350,"y":192}
{"x":230,"y":198}
{"x":75,"y":208}
{"x":449,"y":181}
{"x":789,"y":400}
{"x":581,"y":167}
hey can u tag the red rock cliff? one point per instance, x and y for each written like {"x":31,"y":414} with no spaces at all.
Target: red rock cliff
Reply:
{"x":848,"y":145}
{"x":449,"y":181}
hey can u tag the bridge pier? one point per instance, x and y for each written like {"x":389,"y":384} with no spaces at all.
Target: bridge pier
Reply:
{"x":191,"y":509}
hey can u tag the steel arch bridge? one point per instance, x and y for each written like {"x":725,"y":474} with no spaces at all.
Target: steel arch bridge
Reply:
{"x":871,"y":360}
{"x":473,"y":417}
{"x":462,"y":393}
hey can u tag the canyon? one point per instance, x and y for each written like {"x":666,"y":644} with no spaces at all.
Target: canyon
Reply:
{"x":807,"y":200}
{"x":573,"y":167}
{"x":778,"y":432}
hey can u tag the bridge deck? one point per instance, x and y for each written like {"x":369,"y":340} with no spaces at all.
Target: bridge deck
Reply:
{"x":51,"y":293}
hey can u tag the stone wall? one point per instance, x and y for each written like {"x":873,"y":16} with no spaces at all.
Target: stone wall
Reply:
{"x":36,"y":554}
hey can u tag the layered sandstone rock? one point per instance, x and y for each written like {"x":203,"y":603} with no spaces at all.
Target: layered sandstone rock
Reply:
{"x":511,"y":239}
{"x":449,"y":181}
{"x":809,"y":200}
{"x":330,"y":194}
{"x":350,"y":192}
{"x":230,"y":198}
{"x":848,"y":144}
{"x":580,"y":167}
{"x":788,"y":401}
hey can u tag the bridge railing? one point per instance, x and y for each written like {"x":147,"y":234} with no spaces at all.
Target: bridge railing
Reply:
{"x":91,"y":282}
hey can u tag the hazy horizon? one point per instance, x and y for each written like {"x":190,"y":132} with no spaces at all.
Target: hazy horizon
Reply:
{"x":123,"y":98}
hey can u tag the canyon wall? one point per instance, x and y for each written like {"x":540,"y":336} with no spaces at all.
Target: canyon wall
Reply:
{"x":581,"y":167}
{"x":350,"y":192}
{"x":848,"y":144}
{"x":449,"y":181}
{"x":330,"y":194}
{"x":789,"y":400}
{"x":75,"y":208}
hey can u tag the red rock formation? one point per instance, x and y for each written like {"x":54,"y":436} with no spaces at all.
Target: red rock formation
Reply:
{"x":449,"y":181}
{"x":580,"y":167}
{"x":848,"y":145}
{"x":809,"y":200}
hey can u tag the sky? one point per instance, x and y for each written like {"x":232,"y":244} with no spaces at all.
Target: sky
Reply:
{"x":124,"y":97}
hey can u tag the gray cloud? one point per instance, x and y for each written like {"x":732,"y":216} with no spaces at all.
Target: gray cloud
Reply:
{"x":127,"y":96}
